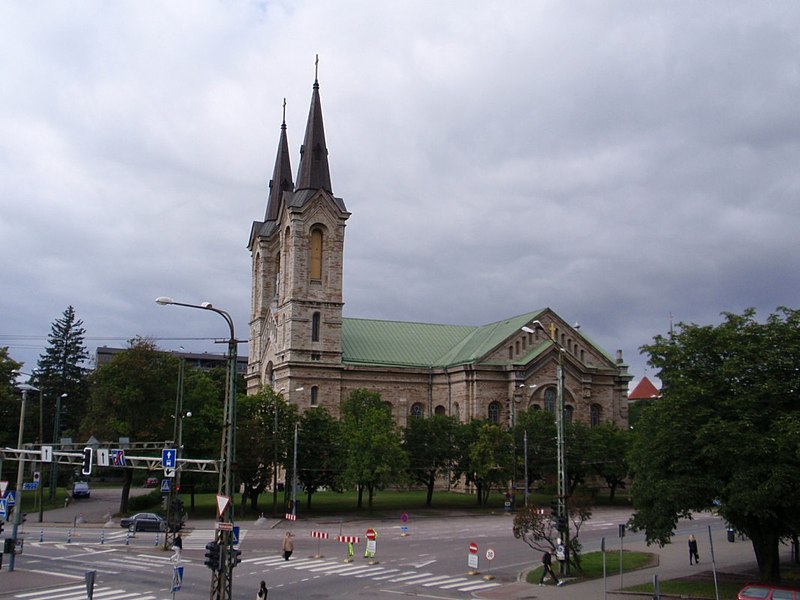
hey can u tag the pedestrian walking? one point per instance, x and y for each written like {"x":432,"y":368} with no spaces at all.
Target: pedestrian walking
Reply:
{"x":288,"y":545}
{"x":177,"y":548}
{"x":693,"y":555}
{"x":547,"y":568}
{"x":262,"y":591}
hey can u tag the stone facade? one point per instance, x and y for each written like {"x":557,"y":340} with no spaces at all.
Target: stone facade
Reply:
{"x":301,"y":344}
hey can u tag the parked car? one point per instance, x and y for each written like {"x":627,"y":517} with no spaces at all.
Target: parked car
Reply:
{"x":768,"y":592}
{"x":144,"y":522}
{"x":151,"y":482}
{"x":80,"y":489}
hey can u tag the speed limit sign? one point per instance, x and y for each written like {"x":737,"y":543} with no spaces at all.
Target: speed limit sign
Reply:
{"x":490,"y":554}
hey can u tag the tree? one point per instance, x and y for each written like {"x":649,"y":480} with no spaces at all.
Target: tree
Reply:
{"x":60,"y":370}
{"x":373,"y":454}
{"x":724,"y":431}
{"x":485,"y":457}
{"x":430,"y":445}
{"x":608,"y":449}
{"x":133,"y":396}
{"x":540,"y":426}
{"x":9,"y":398}
{"x":319,"y":452}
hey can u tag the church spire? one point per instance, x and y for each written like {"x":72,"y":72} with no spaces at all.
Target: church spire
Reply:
{"x":314,"y":173}
{"x":282,"y":175}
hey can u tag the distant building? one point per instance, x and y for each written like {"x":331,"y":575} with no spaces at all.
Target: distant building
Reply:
{"x":644,"y":390}
{"x":301,"y":344}
{"x":199,"y":360}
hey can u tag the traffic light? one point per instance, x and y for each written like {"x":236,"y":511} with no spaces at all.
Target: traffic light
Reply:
{"x":212,"y":556}
{"x":554,"y":507}
{"x":2,"y":522}
{"x":562,"y":524}
{"x":236,"y":556}
{"x":86,"y":468}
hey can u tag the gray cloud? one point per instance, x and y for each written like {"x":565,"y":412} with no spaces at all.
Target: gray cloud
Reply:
{"x":620,"y":163}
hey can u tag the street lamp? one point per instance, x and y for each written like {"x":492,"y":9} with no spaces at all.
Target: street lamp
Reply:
{"x":222,"y":580}
{"x":563,"y":516}
{"x":56,"y":446}
{"x":20,"y":471}
{"x":40,"y":440}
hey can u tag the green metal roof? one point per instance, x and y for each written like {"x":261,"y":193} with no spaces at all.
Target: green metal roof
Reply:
{"x":366,"y":341}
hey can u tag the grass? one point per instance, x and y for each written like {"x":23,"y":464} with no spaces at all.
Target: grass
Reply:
{"x":592,"y":564}
{"x":728,"y":590}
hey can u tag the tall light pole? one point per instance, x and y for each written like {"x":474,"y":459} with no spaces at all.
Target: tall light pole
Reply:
{"x":20,"y":472}
{"x":222,"y":580}
{"x":56,"y":445}
{"x":40,"y":440}
{"x":563,"y":513}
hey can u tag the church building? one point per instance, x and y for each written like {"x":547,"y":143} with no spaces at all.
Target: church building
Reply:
{"x":302,"y":345}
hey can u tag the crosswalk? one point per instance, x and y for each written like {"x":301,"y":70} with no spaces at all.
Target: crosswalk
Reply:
{"x":375,"y":572}
{"x":78,"y":592}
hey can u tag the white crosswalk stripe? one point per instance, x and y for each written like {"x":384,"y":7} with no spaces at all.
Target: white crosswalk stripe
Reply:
{"x":78,"y":592}
{"x":373,"y":572}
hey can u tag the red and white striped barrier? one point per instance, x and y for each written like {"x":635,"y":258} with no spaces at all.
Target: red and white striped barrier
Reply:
{"x":291,"y":517}
{"x":322,"y":535}
{"x":348,"y":539}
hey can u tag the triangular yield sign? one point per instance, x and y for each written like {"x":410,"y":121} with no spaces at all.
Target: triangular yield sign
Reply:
{"x":3,"y":486}
{"x":222,"y":504}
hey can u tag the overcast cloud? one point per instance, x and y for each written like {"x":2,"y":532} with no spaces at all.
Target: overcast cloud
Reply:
{"x":620,"y":162}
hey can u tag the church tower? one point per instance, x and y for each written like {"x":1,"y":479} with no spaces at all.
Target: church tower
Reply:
{"x":297,"y":257}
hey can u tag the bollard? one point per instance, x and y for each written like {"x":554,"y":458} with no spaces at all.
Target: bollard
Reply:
{"x":41,"y":535}
{"x":69,"y":536}
{"x":128,"y":537}
{"x":102,"y":537}
{"x":157,"y":536}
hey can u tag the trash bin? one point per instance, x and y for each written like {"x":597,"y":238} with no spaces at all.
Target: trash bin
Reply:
{"x":731,"y":534}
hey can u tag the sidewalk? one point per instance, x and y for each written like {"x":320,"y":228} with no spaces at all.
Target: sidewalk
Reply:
{"x":673,"y":563}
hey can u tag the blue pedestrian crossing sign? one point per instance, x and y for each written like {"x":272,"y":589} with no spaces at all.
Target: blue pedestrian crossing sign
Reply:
{"x":169,"y":458}
{"x":3,"y":509}
{"x":11,"y":498}
{"x":177,"y":579}
{"x":165,"y":485}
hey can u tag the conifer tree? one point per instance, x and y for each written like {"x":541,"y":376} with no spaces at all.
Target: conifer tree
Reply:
{"x":61,"y":370}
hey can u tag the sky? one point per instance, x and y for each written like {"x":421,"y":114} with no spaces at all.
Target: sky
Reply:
{"x":627,"y":164}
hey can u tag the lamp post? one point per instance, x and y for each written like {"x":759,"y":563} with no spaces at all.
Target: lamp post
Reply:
{"x":222,"y":580}
{"x":39,"y":440}
{"x":563,"y":514}
{"x":56,"y":446}
{"x":20,"y":472}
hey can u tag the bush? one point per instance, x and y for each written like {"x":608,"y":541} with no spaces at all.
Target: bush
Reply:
{"x":140,"y":503}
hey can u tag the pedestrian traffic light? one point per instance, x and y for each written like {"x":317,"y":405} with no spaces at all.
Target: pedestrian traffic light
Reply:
{"x":86,"y":468}
{"x":2,"y":522}
{"x":236,"y":556}
{"x":212,"y":556}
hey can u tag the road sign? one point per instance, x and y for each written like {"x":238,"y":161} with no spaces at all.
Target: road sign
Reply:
{"x":235,"y":536}
{"x":404,"y":517}
{"x":165,"y":485}
{"x":169,"y":472}
{"x":3,"y":486}
{"x":371,"y":535}
{"x":225,"y":526}
{"x":11,"y":498}
{"x":37,"y":476}
{"x":222,"y":504}
{"x":102,"y":457}
{"x":29,"y":485}
{"x":177,"y":579}
{"x":489,"y":554}
{"x":3,"y":508}
{"x":118,"y":458}
{"x":169,"y":458}
{"x":47,"y":454}
{"x":473,"y":548}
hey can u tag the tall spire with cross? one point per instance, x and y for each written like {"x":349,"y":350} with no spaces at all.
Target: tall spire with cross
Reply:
{"x":282,"y":174}
{"x":314,"y":172}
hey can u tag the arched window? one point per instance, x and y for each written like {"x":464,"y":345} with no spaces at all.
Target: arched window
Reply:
{"x":416,"y":409}
{"x":568,"y":413}
{"x":550,"y":400}
{"x":314,"y":395}
{"x":494,"y":413}
{"x":315,"y":327}
{"x":277,"y":293}
{"x":594,"y":418}
{"x":315,"y":264}
{"x":439,"y":410}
